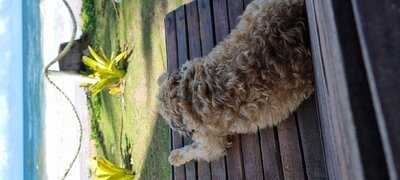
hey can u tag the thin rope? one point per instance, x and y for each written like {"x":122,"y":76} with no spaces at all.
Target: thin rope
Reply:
{"x":46,"y":73}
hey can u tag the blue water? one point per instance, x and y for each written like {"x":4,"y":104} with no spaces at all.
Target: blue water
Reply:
{"x":32,"y":91}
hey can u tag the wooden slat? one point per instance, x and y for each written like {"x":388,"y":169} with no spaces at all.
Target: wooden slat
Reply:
{"x":192,"y":16}
{"x":379,"y":31}
{"x":172,"y":58}
{"x":220,"y":21}
{"x":203,"y":168}
{"x":204,"y":30}
{"x":218,"y":169}
{"x":183,"y":55}
{"x":234,"y":156}
{"x":290,"y":150}
{"x":190,"y":167}
{"x":221,"y":27}
{"x":353,"y":147}
{"x":181,"y":31}
{"x":252,"y":156}
{"x":311,"y":140}
{"x":234,"y":160}
{"x":206,"y":26}
{"x":170,"y":38}
{"x":236,"y":9}
{"x":330,"y":125}
{"x":321,"y":90}
{"x":250,"y":144}
{"x":272,"y":166}
{"x":341,"y":165}
{"x":369,"y":140}
{"x":271,"y":157}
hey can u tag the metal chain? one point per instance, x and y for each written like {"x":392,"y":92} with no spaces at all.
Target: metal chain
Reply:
{"x":46,"y":74}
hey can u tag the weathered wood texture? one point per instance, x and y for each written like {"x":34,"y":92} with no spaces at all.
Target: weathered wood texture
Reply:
{"x":172,"y":65}
{"x":293,"y":150}
{"x":379,"y":32}
{"x":356,"y":69}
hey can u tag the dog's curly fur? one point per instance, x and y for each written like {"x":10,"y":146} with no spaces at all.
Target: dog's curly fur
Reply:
{"x":253,"y":79}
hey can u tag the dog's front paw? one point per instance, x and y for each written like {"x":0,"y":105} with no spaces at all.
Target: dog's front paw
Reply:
{"x":177,"y":157}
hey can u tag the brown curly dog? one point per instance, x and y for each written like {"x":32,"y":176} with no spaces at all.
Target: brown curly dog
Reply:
{"x":254,"y":78}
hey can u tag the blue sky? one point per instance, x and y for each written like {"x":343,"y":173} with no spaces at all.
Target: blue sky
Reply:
{"x":11,"y":90}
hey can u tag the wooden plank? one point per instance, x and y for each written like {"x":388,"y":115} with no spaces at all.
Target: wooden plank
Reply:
{"x":193,"y":29}
{"x":311,"y":140}
{"x":379,"y":31}
{"x":192,"y":16}
{"x":344,"y":165}
{"x":172,"y":60}
{"x":170,"y":39}
{"x":203,"y":170}
{"x":234,"y":160}
{"x":290,"y":150}
{"x":347,"y":118}
{"x":177,"y":142}
{"x":251,"y":167}
{"x":206,"y":26}
{"x":218,"y":169}
{"x":338,"y":164}
{"x":234,"y":156}
{"x":252,"y":157}
{"x":190,"y":167}
{"x":182,"y":42}
{"x":181,"y":32}
{"x":196,"y":32}
{"x":291,"y":166}
{"x":250,"y":144}
{"x":271,"y":162}
{"x":271,"y":157}
{"x":359,"y":96}
{"x":321,"y":91}
{"x":221,"y":29}
{"x":235,"y":9}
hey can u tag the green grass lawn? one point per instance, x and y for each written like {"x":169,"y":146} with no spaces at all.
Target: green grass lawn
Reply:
{"x":139,"y":25}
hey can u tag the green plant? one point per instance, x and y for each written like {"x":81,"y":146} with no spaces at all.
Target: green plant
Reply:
{"x":108,"y":71}
{"x":105,"y":170}
{"x":88,"y":16}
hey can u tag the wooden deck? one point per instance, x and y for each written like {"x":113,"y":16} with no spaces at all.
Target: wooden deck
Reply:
{"x":350,"y":130}
{"x":356,"y":55}
{"x":291,"y":151}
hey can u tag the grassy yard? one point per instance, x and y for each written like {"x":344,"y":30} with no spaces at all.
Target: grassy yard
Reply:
{"x":139,"y":25}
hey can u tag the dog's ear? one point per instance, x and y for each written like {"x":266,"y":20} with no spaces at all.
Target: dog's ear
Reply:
{"x":163,"y":77}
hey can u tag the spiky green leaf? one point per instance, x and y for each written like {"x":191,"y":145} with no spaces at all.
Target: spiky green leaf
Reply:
{"x":103,"y":54}
{"x":114,"y":62}
{"x":96,"y":57}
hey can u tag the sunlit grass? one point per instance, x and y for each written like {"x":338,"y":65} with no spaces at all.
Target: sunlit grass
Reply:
{"x":139,"y":25}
